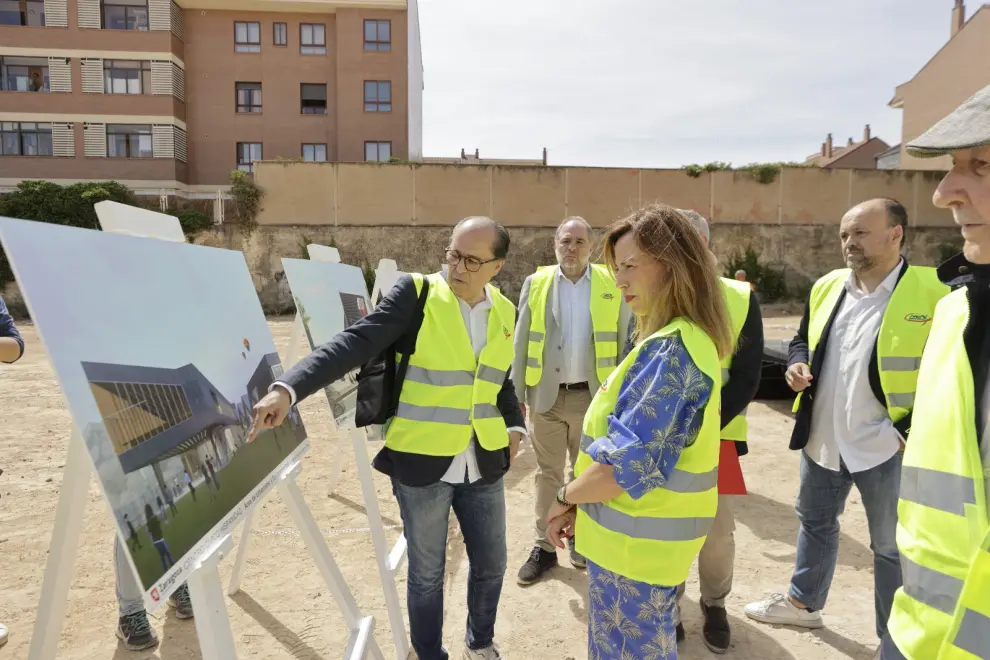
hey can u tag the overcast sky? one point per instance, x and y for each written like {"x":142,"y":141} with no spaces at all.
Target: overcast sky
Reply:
{"x":664,"y":83}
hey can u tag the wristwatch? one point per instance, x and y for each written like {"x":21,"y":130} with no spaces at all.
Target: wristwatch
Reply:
{"x":562,"y":497}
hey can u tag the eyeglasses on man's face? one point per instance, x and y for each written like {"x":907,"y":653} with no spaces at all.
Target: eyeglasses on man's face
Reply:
{"x":471,"y":264}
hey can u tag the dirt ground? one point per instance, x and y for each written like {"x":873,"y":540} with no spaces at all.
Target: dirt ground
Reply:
{"x":284,"y":610}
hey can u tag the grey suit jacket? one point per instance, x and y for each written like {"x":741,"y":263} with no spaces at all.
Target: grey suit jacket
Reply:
{"x":541,"y":397}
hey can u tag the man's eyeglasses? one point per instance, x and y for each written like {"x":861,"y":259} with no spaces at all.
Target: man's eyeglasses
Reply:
{"x":471,"y":264}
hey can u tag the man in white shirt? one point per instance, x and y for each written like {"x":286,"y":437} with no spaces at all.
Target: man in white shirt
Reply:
{"x":866,"y":327}
{"x":570,"y":327}
{"x":440,"y":457}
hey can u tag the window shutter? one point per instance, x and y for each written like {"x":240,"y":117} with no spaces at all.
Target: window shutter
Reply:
{"x":92,"y":75}
{"x":162,"y":141}
{"x":64,"y":140}
{"x":160,"y":15}
{"x":178,"y":24}
{"x":59,"y":74}
{"x":56,"y":13}
{"x":95,"y":140}
{"x":88,"y":13}
{"x":178,"y":82}
{"x":161,"y":77}
{"x":180,"y":144}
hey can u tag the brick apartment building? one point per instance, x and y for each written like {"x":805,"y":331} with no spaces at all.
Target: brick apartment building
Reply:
{"x":163,"y":95}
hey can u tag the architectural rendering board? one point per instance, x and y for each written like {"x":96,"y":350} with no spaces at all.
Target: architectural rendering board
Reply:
{"x":329,"y":297}
{"x":161,"y":349}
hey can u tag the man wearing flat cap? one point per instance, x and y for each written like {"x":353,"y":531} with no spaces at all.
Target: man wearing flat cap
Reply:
{"x":943,"y":533}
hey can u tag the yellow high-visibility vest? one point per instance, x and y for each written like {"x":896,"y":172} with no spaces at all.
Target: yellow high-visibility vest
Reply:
{"x":447,"y":393}
{"x":737,"y":301}
{"x":903,"y":330}
{"x":655,"y":539}
{"x":942,"y":611}
{"x":605,"y":303}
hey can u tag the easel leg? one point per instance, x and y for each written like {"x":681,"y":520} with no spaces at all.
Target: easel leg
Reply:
{"x":62,"y":550}
{"x":388,"y":562}
{"x":238,"y":572}
{"x":216,"y":640}
{"x":360,"y":626}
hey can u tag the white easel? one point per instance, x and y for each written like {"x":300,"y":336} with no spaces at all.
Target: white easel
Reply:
{"x":205,"y":588}
{"x":388,"y":561}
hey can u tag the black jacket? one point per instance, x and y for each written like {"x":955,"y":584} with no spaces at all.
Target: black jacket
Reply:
{"x":745,"y":371}
{"x":798,"y":352}
{"x":958,"y":272}
{"x":361,"y":342}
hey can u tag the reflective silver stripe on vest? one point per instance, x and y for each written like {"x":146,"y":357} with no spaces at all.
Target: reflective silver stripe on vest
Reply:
{"x":679,"y":481}
{"x":725,"y":375}
{"x":606,"y":362}
{"x":654,"y":529}
{"x":900,"y":363}
{"x":439,"y":377}
{"x":933,"y":588}
{"x":974,"y":634}
{"x":937,"y":490}
{"x":536,"y":336}
{"x":485,"y":411}
{"x":433,"y":414}
{"x":606,"y":336}
{"x":491,"y":374}
{"x":533,"y":362}
{"x":901,"y":399}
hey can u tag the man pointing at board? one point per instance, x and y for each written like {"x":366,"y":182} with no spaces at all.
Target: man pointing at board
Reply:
{"x":457,"y":427}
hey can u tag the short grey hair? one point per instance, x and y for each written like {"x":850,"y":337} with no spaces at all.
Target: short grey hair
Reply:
{"x":574,"y":218}
{"x":698,"y":222}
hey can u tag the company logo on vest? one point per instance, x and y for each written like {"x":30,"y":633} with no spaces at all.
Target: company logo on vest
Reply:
{"x":607,"y":296}
{"x":505,"y":331}
{"x":918,"y":318}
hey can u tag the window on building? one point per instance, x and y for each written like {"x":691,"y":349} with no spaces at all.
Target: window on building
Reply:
{"x":314,"y":153}
{"x":247,"y":37}
{"x":22,"y":12}
{"x":24,"y":74}
{"x":127,"y":76}
{"x":129,"y":141}
{"x":125,"y":14}
{"x":247,"y":153}
{"x":314,"y":98}
{"x":25,"y":139}
{"x":377,"y":35}
{"x":377,"y":151}
{"x":312,"y":39}
{"x":377,"y":96}
{"x":248,"y":96}
{"x":280,"y":34}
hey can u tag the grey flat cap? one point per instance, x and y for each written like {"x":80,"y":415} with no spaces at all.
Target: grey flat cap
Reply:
{"x":967,"y":127}
{"x":697,"y":221}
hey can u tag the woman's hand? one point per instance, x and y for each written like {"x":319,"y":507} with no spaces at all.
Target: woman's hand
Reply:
{"x":557,"y":510}
{"x":561,"y":527}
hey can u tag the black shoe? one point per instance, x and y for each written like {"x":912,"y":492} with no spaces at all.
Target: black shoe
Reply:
{"x":577,"y":559}
{"x":680,"y":632}
{"x":716,"y":629}
{"x":181,"y":602}
{"x":540,"y":561}
{"x":136,"y":632}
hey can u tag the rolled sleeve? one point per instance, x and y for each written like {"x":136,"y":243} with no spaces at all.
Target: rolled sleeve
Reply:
{"x":659,"y":412}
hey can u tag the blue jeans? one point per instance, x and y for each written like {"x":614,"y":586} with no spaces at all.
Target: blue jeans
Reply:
{"x":480,"y":510}
{"x":821,"y":498}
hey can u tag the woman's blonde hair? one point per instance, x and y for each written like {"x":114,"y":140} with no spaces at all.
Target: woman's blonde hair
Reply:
{"x":691,"y":287}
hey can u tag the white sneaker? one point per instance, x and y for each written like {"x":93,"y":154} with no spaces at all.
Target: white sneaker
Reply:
{"x":3,"y":634}
{"x":779,"y":609}
{"x":490,"y":653}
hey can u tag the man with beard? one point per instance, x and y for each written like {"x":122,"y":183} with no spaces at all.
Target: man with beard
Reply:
{"x":866,"y":327}
{"x":943,"y":532}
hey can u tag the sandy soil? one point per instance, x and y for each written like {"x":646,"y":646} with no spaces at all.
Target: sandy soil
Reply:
{"x":284,"y":610}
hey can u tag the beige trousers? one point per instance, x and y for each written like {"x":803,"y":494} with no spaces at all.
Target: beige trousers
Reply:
{"x":556,"y":434}
{"x":717,"y":556}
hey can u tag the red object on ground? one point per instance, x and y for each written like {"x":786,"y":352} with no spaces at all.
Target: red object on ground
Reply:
{"x":730,"y":476}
